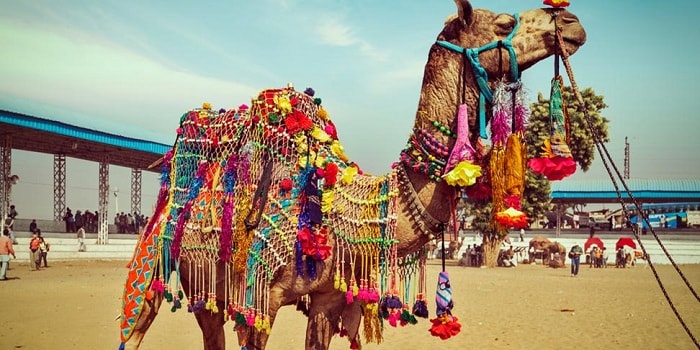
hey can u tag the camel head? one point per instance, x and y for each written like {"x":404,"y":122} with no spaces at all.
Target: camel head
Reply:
{"x":533,"y":40}
{"x":529,"y":38}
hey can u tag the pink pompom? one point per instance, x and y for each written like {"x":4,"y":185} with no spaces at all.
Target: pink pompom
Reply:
{"x":348,"y":296}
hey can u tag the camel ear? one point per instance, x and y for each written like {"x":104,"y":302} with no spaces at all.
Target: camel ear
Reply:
{"x":464,"y":11}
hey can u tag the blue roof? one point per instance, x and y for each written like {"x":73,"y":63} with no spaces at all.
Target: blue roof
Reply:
{"x":643,"y":189}
{"x":56,"y":127}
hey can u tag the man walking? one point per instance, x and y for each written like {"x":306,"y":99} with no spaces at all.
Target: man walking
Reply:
{"x":6,"y":250}
{"x":575,"y":256}
{"x":34,"y":252}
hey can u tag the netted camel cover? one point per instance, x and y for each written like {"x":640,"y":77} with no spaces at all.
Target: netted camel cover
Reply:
{"x":258,"y":188}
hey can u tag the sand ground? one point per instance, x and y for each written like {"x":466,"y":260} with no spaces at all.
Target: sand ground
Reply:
{"x":73,"y":305}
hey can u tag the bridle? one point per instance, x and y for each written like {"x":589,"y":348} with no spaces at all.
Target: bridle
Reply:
{"x":482,"y":78}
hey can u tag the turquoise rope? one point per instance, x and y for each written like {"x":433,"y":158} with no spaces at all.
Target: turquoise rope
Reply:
{"x":482,"y":78}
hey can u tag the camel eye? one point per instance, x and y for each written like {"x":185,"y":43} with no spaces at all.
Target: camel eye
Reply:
{"x":504,"y":24}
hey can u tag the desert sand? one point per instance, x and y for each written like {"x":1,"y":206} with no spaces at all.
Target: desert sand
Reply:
{"x":73,"y":305}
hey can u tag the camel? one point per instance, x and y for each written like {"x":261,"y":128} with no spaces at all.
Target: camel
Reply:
{"x":547,"y":250}
{"x":259,"y":207}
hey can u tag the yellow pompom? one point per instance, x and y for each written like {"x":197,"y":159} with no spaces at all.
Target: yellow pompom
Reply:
{"x":266,"y":325}
{"x":338,"y":150}
{"x":283,"y":104}
{"x":320,"y":135}
{"x":343,"y":286}
{"x":336,"y":282}
{"x":355,"y":290}
{"x":206,"y":105}
{"x":303,"y":159}
{"x":327,"y":200}
{"x":322,"y":114}
{"x":349,"y":174}
{"x":258,"y":323}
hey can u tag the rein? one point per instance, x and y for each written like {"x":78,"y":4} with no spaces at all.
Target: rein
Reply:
{"x":482,"y":78}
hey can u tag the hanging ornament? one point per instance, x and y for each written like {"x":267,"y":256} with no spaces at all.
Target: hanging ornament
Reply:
{"x":445,"y":325}
{"x":461,"y":170}
{"x":555,"y":161}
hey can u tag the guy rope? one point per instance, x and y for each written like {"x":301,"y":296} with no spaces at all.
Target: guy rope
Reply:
{"x":605,"y":157}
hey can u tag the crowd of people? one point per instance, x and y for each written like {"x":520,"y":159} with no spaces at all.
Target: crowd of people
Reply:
{"x":88,"y":220}
{"x":128,"y":223}
{"x":125,"y":222}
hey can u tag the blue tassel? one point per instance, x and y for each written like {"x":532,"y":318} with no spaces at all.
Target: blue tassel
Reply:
{"x":420,"y":308}
{"x":121,"y":346}
{"x":311,"y":268}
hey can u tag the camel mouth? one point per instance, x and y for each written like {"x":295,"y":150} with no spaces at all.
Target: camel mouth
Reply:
{"x":576,"y":41}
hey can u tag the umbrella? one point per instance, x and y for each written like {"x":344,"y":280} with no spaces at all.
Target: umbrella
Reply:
{"x":625,"y":241}
{"x":593,"y":241}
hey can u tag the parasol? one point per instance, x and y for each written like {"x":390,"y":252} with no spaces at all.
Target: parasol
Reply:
{"x":593,"y":241}
{"x":625,"y":241}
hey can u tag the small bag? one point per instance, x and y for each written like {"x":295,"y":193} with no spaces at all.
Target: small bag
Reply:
{"x":571,"y":254}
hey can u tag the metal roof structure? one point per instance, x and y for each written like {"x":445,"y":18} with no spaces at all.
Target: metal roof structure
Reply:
{"x":643,"y":190}
{"x":36,"y":134}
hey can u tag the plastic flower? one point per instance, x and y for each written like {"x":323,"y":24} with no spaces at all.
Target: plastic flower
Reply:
{"x":512,"y":218}
{"x":464,"y":174}
{"x":557,"y":3}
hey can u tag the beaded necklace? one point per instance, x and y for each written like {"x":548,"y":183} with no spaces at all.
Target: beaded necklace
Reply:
{"x":425,"y":154}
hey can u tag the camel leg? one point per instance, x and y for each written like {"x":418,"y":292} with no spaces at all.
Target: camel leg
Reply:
{"x":350,"y":320}
{"x":278,"y":297}
{"x":325,"y":311}
{"x":147,"y":315}
{"x":212,"y":326}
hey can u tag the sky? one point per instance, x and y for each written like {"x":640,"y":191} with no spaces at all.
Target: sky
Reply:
{"x":132,"y":68}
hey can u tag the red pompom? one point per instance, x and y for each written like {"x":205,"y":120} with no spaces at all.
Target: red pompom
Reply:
{"x":286,"y":184}
{"x":331,"y":174}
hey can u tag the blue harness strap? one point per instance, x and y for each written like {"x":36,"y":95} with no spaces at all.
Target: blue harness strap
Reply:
{"x":482,"y":78}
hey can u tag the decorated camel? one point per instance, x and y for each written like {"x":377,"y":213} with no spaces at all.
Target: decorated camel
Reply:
{"x":260,"y":208}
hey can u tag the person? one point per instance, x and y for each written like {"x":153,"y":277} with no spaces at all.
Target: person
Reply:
{"x":591,"y":231}
{"x":13,"y":212}
{"x":81,"y":239}
{"x":522,"y":235}
{"x":9,"y":224}
{"x":44,"y":248}
{"x":34,"y":252}
{"x":464,"y":261}
{"x":6,"y":250}
{"x":70,"y":220}
{"x":33,"y":226}
{"x":575,"y":256}
{"x":604,"y":260}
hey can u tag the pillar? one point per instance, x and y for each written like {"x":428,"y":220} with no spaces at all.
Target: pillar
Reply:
{"x":59,"y":186}
{"x":135,"y":191}
{"x":5,"y":172}
{"x":103,"y":203}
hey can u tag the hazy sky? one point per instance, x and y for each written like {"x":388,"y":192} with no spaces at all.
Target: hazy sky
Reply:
{"x":132,"y":68}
